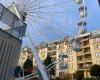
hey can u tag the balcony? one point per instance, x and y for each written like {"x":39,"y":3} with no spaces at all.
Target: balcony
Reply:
{"x":80,"y":61}
{"x":85,"y":46}
{"x":88,"y":59}
{"x":86,"y":50}
{"x":84,"y":66}
{"x":87,"y":53}
{"x":53,"y":48}
{"x":79,"y":53}
{"x":81,"y":66}
{"x":83,"y":53}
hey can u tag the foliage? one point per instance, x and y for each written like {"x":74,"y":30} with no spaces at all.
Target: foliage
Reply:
{"x":47,"y":62}
{"x":88,"y":79}
{"x":17,"y":71}
{"x":28,"y":66}
{"x":79,"y":75}
{"x":95,"y":70}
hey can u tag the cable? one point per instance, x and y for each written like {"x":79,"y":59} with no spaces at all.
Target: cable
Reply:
{"x":53,"y":29}
{"x":54,"y":26}
{"x":43,"y":2}
{"x":49,"y":5}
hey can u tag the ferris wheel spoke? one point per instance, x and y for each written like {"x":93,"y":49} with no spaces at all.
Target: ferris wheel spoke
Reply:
{"x":54,"y":26}
{"x":40,"y":33}
{"x":45,"y":39}
{"x":47,"y":6}
{"x":57,"y":27}
{"x":52,"y":12}
{"x":59,"y":31}
{"x":41,"y":2}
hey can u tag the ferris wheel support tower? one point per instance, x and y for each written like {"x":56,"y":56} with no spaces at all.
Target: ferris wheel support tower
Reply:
{"x":41,"y":67}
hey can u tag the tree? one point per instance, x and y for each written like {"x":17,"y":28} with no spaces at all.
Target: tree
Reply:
{"x":95,"y":71}
{"x":88,"y":79}
{"x":47,"y":62}
{"x":28,"y":67}
{"x":17,"y":71}
{"x":79,"y":75}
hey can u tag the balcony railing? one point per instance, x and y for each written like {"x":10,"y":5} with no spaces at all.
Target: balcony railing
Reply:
{"x":80,"y":61}
{"x":88,"y":59}
{"x":84,"y":67}
{"x":85,"y":46}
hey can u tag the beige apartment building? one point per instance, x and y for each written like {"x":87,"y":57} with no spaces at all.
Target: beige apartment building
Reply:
{"x":54,"y":50}
{"x":83,"y":60}
{"x":89,"y":54}
{"x":27,"y":53}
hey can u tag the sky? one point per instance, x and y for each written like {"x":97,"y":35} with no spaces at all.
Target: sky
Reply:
{"x":93,"y":18}
{"x":55,"y":18}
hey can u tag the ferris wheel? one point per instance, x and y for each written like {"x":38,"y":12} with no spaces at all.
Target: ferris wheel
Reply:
{"x":45,"y":18}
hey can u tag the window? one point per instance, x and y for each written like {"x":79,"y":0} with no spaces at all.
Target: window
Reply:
{"x":54,"y":53}
{"x":61,"y":46}
{"x":97,"y":54}
{"x":70,"y":58}
{"x":98,"y":62}
{"x":69,"y":52}
{"x":28,"y":57}
{"x":51,"y":48}
{"x":23,"y":58}
{"x":69,"y":45}
{"x":70,"y":66}
{"x":43,"y":55}
{"x":97,"y":47}
{"x":49,"y":53}
{"x":53,"y":58}
{"x":97,"y":40}
{"x":31,"y":56}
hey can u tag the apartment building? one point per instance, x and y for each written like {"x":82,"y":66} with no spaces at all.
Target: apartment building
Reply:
{"x":55,"y":49}
{"x":81,"y":60}
{"x":89,"y":54}
{"x":27,"y":53}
